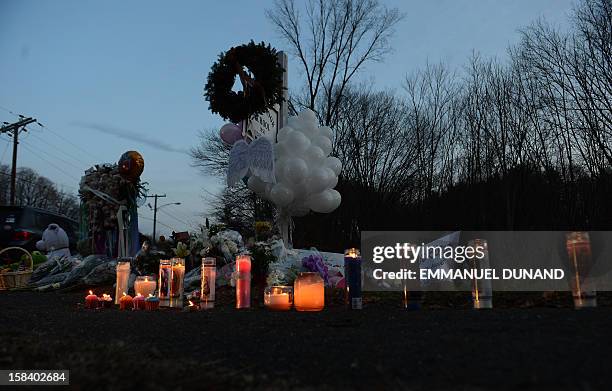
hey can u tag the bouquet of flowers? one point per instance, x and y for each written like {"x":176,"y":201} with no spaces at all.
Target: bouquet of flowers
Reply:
{"x":315,"y":263}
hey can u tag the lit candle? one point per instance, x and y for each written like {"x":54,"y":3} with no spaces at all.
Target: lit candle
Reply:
{"x":91,"y":301}
{"x":151,"y":303}
{"x":176,"y":287}
{"x":352,"y":277}
{"x":139,"y":302}
{"x":309,"y":292}
{"x":278,"y":298}
{"x":123,"y":277}
{"x":243,"y":281}
{"x":191,"y":307}
{"x":578,"y":245}
{"x":178,"y":274}
{"x":482,"y":290}
{"x":145,"y":285}
{"x":207,"y":289}
{"x":165,"y":280}
{"x":125,"y":302}
{"x":106,"y":300}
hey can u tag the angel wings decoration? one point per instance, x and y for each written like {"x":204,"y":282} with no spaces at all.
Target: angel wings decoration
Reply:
{"x":256,"y":158}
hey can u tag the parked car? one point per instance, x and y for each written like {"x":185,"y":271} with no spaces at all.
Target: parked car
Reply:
{"x":23,"y":226}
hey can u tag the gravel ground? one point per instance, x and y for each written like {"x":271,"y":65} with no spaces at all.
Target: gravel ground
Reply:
{"x":448,"y":346}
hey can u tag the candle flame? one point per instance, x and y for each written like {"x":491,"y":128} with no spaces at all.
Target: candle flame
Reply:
{"x":105,"y":296}
{"x":352,"y":253}
{"x":146,"y":279}
{"x":124,"y":294}
{"x":150,"y":295}
{"x":138,"y":294}
{"x":190,"y":303}
{"x":90,"y":292}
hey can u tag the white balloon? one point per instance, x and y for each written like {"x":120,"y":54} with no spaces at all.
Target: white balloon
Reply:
{"x":305,"y":175}
{"x":297,"y":143}
{"x":279,"y":150}
{"x":314,"y":156}
{"x":279,"y":169}
{"x":333,"y":182}
{"x":256,"y":184}
{"x":334,"y":164}
{"x":296,"y":170}
{"x":281,"y":195}
{"x":308,"y":116}
{"x":295,"y":123}
{"x":326,"y":131}
{"x":283,"y":133}
{"x":319,"y":178}
{"x":325,"y":201}
{"x":324,"y":143}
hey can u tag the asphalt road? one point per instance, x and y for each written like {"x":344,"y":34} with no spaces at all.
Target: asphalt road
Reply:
{"x":380,"y":347}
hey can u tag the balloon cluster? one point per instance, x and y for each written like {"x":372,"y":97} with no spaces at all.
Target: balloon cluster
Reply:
{"x":305,"y":173}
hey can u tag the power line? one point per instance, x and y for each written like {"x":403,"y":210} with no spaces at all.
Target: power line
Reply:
{"x":9,"y":111}
{"x":174,"y":218}
{"x":48,"y":153}
{"x":4,"y":153}
{"x":63,"y":152}
{"x":88,"y":153}
{"x":53,"y":165}
{"x":158,"y":222}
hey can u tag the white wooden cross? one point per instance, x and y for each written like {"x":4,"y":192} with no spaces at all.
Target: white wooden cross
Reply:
{"x":276,"y":117}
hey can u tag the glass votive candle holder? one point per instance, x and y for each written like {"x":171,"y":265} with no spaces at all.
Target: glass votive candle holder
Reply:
{"x":145,"y":285}
{"x":278,"y":298}
{"x":309,"y":291}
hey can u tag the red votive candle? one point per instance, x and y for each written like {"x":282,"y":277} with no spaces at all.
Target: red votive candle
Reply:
{"x":91,"y":301}
{"x":139,"y":302}
{"x":126,"y":302}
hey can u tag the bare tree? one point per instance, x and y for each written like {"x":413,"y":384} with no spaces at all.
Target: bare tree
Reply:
{"x":333,"y":40}
{"x":37,"y":191}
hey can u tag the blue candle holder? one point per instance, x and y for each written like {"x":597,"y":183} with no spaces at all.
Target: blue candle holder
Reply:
{"x":352,"y":276}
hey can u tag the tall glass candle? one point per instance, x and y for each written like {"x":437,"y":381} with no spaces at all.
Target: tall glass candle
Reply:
{"x":482,"y":290}
{"x":145,"y":285}
{"x":123,"y":277}
{"x":177,"y":286}
{"x":207,"y":288}
{"x":308,"y":292}
{"x":578,"y":246}
{"x":352,"y":276}
{"x":165,"y":281}
{"x":243,"y":281}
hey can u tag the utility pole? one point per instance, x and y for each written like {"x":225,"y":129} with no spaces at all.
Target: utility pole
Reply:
{"x":16,"y":128}
{"x":156,"y":196}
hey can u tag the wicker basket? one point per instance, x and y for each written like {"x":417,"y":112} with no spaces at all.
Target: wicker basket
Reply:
{"x":11,"y":280}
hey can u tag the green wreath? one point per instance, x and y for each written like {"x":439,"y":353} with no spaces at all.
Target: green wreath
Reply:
{"x":260,"y":92}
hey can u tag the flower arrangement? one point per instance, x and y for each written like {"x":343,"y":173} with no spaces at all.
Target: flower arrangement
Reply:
{"x":181,"y":250}
{"x":315,"y":263}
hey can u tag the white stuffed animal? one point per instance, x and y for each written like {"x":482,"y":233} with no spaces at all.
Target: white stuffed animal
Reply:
{"x":54,"y":242}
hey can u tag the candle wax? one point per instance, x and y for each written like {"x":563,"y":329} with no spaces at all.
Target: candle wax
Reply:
{"x":278,"y":301}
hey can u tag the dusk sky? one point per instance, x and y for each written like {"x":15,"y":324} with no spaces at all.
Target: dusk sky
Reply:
{"x":107,"y":77}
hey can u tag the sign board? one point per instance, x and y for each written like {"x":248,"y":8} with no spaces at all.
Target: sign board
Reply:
{"x":270,"y":122}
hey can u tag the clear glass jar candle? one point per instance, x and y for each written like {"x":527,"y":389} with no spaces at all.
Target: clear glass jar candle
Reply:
{"x":278,"y":298}
{"x":309,"y":292}
{"x":145,"y":285}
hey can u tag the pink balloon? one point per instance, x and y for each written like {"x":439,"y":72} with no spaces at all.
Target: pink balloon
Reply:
{"x":230,"y":133}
